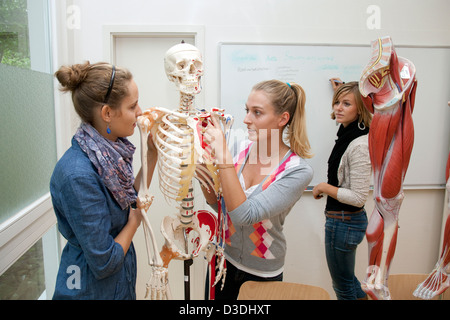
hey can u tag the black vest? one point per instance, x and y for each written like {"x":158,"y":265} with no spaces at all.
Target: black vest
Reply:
{"x":345,"y":136}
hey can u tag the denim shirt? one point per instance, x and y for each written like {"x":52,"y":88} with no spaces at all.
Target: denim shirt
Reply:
{"x":93,"y":265}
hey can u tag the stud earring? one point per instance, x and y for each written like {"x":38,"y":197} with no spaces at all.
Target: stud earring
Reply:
{"x":108,"y":130}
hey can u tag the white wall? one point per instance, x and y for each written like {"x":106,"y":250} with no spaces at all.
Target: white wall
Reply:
{"x":408,"y":22}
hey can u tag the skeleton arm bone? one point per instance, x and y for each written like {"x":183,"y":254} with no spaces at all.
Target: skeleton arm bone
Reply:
{"x":158,"y":283}
{"x":145,"y":175}
{"x":145,"y":199}
{"x":151,"y":159}
{"x":151,"y":164}
{"x":154,"y":259}
{"x":231,"y":187}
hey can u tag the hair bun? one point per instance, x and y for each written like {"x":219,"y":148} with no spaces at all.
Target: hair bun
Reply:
{"x":71,"y":77}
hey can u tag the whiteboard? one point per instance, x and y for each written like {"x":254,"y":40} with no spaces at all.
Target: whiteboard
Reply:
{"x":311,"y":66}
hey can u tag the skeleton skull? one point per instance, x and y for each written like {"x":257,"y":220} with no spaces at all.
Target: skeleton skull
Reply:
{"x":184,"y":66}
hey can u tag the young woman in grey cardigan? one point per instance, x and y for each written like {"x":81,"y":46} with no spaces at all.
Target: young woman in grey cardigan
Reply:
{"x":261,"y":181}
{"x":349,"y":172}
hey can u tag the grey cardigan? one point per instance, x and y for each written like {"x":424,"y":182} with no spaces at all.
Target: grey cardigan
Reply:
{"x":256,"y":238}
{"x":354,"y":173}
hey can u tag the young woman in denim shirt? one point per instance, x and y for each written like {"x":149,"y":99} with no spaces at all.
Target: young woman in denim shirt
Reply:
{"x":349,"y":173}
{"x":93,"y":186}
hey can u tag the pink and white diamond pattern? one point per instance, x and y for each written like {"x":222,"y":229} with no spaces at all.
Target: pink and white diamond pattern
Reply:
{"x":262,"y":240}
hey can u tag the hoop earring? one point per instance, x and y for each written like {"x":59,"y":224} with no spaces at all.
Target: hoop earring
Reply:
{"x":363,"y":126}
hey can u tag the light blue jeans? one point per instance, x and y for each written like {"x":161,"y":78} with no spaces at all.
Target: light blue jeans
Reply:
{"x":342,"y":236}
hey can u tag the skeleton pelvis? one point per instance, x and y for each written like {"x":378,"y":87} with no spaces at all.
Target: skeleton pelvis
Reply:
{"x":196,"y":234}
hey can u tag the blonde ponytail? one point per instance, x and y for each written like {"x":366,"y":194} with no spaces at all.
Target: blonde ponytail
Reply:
{"x":297,"y":132}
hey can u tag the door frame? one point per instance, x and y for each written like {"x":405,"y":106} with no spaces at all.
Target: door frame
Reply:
{"x":112,"y":32}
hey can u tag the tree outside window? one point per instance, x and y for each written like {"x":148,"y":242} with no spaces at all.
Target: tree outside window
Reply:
{"x":14,"y":43}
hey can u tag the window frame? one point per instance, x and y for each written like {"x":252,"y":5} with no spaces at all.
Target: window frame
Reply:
{"x":37,"y":220}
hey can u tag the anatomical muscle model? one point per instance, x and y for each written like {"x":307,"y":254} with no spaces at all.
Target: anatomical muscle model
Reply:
{"x":438,"y":280}
{"x":387,"y":86}
{"x":182,"y":155}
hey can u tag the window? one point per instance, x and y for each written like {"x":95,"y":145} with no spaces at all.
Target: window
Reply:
{"x":25,"y":279}
{"x":28,"y":246}
{"x":14,"y":40}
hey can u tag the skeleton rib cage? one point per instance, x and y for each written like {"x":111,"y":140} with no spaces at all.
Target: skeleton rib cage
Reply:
{"x":175,"y":143}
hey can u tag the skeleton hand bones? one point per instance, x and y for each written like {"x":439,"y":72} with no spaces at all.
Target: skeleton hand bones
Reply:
{"x":217,"y":138}
{"x":158,"y":284}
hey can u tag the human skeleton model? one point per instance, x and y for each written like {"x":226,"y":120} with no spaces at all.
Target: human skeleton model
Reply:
{"x":438,"y":280}
{"x":387,"y":86}
{"x":182,"y":155}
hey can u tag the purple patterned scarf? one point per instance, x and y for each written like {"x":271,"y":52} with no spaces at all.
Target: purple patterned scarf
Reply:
{"x":113,"y":161}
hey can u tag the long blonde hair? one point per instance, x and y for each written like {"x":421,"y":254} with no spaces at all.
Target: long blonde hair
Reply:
{"x":290,"y":97}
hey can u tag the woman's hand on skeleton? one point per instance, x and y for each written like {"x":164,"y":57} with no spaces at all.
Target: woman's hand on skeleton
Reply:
{"x":135,"y":215}
{"x":215,"y":137}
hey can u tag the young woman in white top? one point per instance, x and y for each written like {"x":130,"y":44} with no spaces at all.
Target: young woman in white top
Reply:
{"x":347,"y":189}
